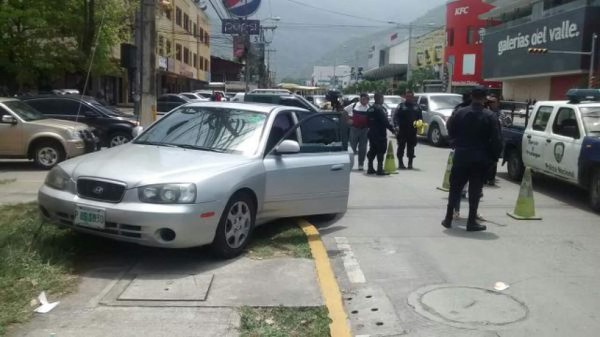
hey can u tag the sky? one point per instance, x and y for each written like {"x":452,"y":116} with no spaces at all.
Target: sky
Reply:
{"x":309,"y":29}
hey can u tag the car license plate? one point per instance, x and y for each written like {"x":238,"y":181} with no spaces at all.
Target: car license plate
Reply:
{"x":89,"y":217}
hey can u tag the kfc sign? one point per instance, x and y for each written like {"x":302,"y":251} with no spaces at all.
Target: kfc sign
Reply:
{"x":461,"y":11}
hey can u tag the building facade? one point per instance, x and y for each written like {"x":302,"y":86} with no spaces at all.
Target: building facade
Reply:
{"x":331,"y":76}
{"x":183,"y":47}
{"x":565,"y":26}
{"x":465,"y":32}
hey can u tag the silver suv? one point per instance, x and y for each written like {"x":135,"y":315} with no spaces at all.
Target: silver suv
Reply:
{"x":26,"y":134}
{"x":437,"y":108}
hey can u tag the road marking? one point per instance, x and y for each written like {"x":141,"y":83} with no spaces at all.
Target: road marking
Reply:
{"x":329,"y":288}
{"x":355,"y":274}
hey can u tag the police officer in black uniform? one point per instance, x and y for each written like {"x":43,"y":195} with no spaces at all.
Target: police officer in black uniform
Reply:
{"x":474,"y":130}
{"x":378,"y":126}
{"x":406,"y":115}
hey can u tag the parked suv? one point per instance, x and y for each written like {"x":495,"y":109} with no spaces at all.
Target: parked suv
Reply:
{"x":113,"y":128}
{"x":292,"y":100}
{"x":26,"y":133}
{"x":437,"y":108}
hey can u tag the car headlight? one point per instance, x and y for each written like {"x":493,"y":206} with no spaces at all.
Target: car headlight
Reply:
{"x":57,"y":178}
{"x":74,"y":134}
{"x":168,"y":194}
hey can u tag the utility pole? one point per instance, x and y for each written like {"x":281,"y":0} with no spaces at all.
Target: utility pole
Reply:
{"x":147,"y":103}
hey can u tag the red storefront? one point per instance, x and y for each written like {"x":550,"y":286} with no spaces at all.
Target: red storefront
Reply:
{"x":464,"y":44}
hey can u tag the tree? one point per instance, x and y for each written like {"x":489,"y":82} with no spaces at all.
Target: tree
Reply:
{"x":419,"y":76}
{"x":41,"y":41}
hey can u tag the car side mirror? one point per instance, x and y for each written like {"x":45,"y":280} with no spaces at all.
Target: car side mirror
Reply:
{"x":424,"y":106}
{"x":8,"y":119}
{"x":288,"y":147}
{"x":137,"y":131}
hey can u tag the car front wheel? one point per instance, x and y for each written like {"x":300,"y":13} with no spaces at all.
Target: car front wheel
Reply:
{"x":515,"y":166}
{"x":47,"y":154}
{"x":235,"y":227}
{"x":435,"y":136}
{"x":118,"y":138}
{"x":595,"y":190}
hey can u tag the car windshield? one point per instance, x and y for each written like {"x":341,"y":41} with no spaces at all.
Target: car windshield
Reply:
{"x":392,"y":100}
{"x":208,"y":129}
{"x":591,"y":119}
{"x":24,"y":111}
{"x":444,"y":102}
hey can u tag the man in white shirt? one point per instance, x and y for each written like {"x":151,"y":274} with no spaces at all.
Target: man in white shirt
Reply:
{"x":359,"y":129}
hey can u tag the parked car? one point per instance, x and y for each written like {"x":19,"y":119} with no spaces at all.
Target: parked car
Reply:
{"x":26,"y":133}
{"x":391,"y":103}
{"x":282,"y":99}
{"x":319,"y":100}
{"x":437,"y":108}
{"x":561,"y":140}
{"x":113,"y":128}
{"x":168,"y":102}
{"x":270,"y":91}
{"x":209,"y":94}
{"x":239,"y":97}
{"x":206,"y":173}
{"x":194,"y":96}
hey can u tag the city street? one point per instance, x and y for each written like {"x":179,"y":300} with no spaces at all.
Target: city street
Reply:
{"x":402,"y":272}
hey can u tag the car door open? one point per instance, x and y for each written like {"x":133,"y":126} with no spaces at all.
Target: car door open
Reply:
{"x":316,"y":179}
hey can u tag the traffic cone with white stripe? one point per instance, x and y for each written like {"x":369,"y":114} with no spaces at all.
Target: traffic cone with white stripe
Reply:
{"x":525,"y":207}
{"x":389,"y":165}
{"x":446,"y":183}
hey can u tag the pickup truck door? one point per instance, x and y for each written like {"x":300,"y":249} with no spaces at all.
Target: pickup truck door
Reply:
{"x":11,"y":136}
{"x":564,"y":140}
{"x":534,"y":139}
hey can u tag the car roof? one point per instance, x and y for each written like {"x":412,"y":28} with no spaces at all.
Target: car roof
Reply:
{"x":436,"y":94}
{"x":75,"y":97}
{"x":7,"y":99}
{"x":254,"y":107}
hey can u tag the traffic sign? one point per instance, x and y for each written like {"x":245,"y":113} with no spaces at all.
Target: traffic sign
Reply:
{"x":238,"y":26}
{"x":241,"y":8}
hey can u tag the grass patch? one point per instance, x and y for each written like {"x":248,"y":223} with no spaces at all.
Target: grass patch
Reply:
{"x":7,"y":181}
{"x":280,"y":239}
{"x":35,"y":258}
{"x":284,"y":322}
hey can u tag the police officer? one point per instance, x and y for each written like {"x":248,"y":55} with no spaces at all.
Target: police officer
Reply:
{"x":474,"y":130}
{"x":378,"y":126}
{"x":406,"y":115}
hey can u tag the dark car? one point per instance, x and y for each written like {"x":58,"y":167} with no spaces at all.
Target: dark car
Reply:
{"x":112,"y":127}
{"x":282,"y":99}
{"x":168,"y":102}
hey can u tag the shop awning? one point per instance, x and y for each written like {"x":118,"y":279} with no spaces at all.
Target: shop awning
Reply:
{"x":387,"y":71}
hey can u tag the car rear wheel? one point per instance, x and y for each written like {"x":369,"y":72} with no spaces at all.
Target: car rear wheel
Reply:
{"x":515,"y":166}
{"x":595,"y":190}
{"x":47,"y":154}
{"x":118,"y":138}
{"x":435,"y":136}
{"x":235,"y":227}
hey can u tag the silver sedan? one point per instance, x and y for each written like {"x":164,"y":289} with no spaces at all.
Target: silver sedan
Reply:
{"x":206,"y":173}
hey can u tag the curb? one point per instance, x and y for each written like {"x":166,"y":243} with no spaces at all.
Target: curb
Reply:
{"x":327,"y":282}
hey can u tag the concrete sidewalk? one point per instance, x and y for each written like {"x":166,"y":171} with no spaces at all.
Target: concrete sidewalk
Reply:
{"x":174,"y":293}
{"x":19,"y":181}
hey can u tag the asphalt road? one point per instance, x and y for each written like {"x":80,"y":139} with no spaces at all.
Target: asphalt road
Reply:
{"x":403,"y":273}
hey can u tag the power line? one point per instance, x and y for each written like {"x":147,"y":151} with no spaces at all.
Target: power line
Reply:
{"x":336,"y":12}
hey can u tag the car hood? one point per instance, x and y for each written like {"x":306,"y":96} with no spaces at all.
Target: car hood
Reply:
{"x":445,"y":112}
{"x":138,"y":165}
{"x":60,"y":124}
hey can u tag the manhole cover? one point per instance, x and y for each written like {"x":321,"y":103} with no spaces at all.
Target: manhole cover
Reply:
{"x":467,"y":306}
{"x":170,"y":287}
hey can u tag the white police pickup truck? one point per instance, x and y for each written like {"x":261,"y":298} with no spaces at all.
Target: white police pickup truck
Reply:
{"x":561,"y":140}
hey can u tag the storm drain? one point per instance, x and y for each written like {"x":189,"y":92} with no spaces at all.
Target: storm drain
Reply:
{"x":371,"y":313}
{"x":467,"y":307}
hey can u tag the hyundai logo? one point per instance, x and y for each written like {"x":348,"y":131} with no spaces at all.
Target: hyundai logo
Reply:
{"x":98,"y":190}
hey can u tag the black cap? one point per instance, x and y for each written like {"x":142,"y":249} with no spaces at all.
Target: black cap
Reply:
{"x":479,"y":90}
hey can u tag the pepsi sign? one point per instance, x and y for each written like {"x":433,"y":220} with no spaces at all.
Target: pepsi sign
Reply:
{"x":241,"y":8}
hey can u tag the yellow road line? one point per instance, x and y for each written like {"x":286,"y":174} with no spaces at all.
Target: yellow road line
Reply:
{"x":329,"y":287}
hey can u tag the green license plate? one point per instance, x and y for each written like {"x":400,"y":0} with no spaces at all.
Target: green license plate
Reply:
{"x":90,"y":217}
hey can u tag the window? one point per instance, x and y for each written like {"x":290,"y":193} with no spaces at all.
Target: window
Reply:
{"x":471,"y":35}
{"x":450,"y":37}
{"x":469,"y":64}
{"x":565,"y":123}
{"x":186,"y":22}
{"x":424,"y":102}
{"x":201,"y":35}
{"x":541,"y":118}
{"x":168,"y":48}
{"x":178,"y":15}
{"x":281,"y":125}
{"x":168,"y":14}
{"x":3,"y":112}
{"x":64,"y":107}
{"x":292,"y":102}
{"x":178,"y":51}
{"x":186,"y":56}
{"x":161,"y":45}
{"x":206,"y":65}
{"x":206,"y":38}
{"x":195,"y":60}
{"x":321,"y":134}
{"x":195,"y":30}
